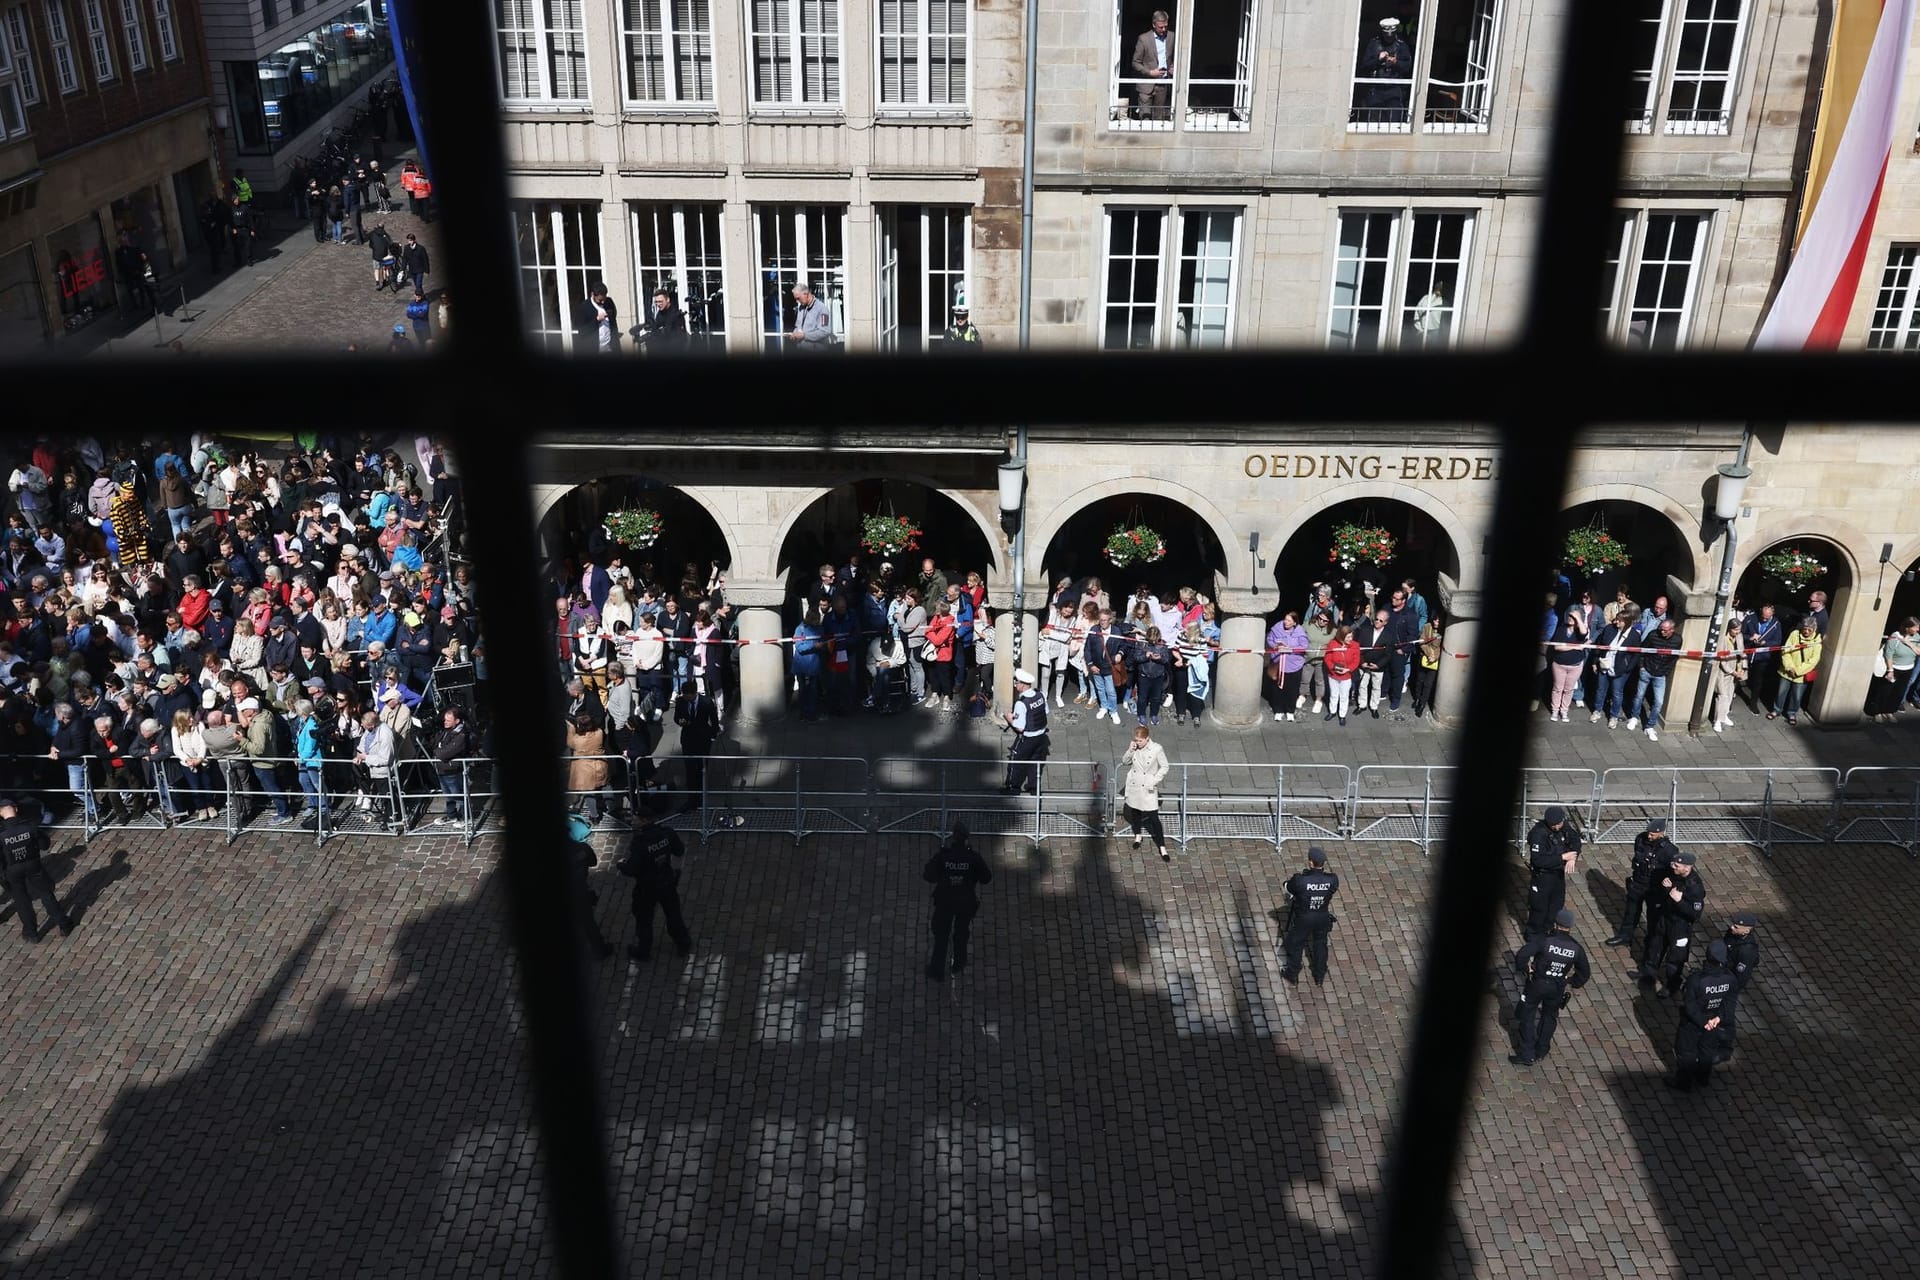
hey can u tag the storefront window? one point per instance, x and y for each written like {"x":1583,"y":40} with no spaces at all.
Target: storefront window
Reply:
{"x":82,"y":272}
{"x":298,"y":83}
{"x":142,"y":216}
{"x":23,"y":317}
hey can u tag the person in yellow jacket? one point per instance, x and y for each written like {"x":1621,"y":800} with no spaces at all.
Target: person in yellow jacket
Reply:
{"x":129,"y":517}
{"x":1799,"y":664}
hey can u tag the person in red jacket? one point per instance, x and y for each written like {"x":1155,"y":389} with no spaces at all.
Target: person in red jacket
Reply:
{"x":1342,"y":659}
{"x":941,"y":630}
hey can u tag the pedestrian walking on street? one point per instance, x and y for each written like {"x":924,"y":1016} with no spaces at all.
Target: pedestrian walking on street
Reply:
{"x":419,"y":311}
{"x":1028,"y":723}
{"x":1674,"y":906}
{"x":1652,"y":853}
{"x":1310,"y":917}
{"x":386,"y":263}
{"x":1146,"y":764}
{"x":414,"y":262}
{"x":21,"y":843}
{"x":653,"y":862}
{"x":1550,"y":967}
{"x":1705,"y":1037}
{"x":954,"y":872}
{"x":317,"y":210}
{"x":1552,"y":848}
{"x":581,"y":860}
{"x":336,"y":212}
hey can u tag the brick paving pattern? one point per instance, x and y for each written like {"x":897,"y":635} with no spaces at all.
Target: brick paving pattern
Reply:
{"x":272,"y":1059}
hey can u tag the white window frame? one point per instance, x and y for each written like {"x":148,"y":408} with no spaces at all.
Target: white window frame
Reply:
{"x":795,"y":39}
{"x":1727,"y":78}
{"x":163,"y":28}
{"x":540,"y":36}
{"x":20,"y":36}
{"x":13,"y":107}
{"x":1235,"y":117}
{"x":935,"y":281}
{"x":1657,"y":81}
{"x":661,"y":21}
{"x":99,"y":43}
{"x":1395,"y":309}
{"x":60,"y":44}
{"x":136,"y":35}
{"x":557,"y":213}
{"x":794,"y":231}
{"x":1895,"y":323}
{"x":679,"y":271}
{"x":1618,"y":313}
{"x":917,"y":59}
{"x":1473,"y":103}
{"x":1168,"y":332}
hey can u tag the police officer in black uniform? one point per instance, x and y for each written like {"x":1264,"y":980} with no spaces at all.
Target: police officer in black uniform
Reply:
{"x":1706,"y":1022}
{"x":21,"y":844}
{"x":1552,"y":846}
{"x":1028,"y":721}
{"x":953,"y":872}
{"x":581,"y":859}
{"x":653,"y":860}
{"x":1310,"y":917}
{"x":1551,"y":966}
{"x":1652,"y":851}
{"x":1743,"y":949}
{"x":1674,"y":906}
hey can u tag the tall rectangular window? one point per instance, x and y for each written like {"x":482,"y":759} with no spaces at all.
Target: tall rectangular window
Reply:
{"x":796,"y":53}
{"x":922,"y":56}
{"x":1153,"y":298}
{"x":796,"y":244}
{"x":558,"y":248}
{"x":1894,"y":327}
{"x":1203,"y":301}
{"x":1439,"y":54}
{"x":13,"y":108}
{"x":60,"y":46}
{"x":677,"y":247}
{"x":1132,"y":309}
{"x":98,"y":43}
{"x":19,"y":40}
{"x":923,"y":254}
{"x":1397,"y":278}
{"x":669,"y":48}
{"x":543,"y":51}
{"x":163,"y":27}
{"x":1653,"y":278}
{"x":1686,"y":55}
{"x":1197,"y":73}
{"x":136,"y":35}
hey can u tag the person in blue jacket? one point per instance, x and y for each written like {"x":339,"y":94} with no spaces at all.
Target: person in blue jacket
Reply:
{"x":807,"y":646}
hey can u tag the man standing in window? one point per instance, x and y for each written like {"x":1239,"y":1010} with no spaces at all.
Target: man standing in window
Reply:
{"x":1388,"y":60}
{"x":1153,"y":60}
{"x":812,"y":325}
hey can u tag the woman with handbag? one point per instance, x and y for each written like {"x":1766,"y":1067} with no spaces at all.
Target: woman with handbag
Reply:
{"x":1055,"y":637}
{"x":941,"y":632}
{"x":1893,"y":670}
{"x":1287,"y":644}
{"x":1146,"y":764}
{"x":1799,"y":667}
{"x":1729,"y":669}
{"x":1083,"y":622}
{"x":1342,"y":659}
{"x":913,"y":630}
{"x":1156,"y":664}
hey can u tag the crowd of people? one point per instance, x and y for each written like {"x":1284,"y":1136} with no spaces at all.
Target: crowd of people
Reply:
{"x":186,"y":631}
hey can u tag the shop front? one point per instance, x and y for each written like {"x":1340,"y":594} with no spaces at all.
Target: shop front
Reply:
{"x":23,"y":315}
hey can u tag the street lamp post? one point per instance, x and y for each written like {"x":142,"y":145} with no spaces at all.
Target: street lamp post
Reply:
{"x":1727,"y":496}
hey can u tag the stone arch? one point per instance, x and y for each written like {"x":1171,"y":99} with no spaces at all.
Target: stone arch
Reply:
{"x":1842,"y":536}
{"x":807,"y":498}
{"x":1465,"y":545}
{"x":1685,"y":523}
{"x":1041,"y":535}
{"x":547,"y":497}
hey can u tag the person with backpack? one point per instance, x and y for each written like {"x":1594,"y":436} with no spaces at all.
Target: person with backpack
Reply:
{"x":385,"y":262}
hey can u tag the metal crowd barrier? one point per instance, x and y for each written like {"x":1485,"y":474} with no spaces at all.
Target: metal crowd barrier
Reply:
{"x":1401,"y":802}
{"x":1879,"y":805}
{"x":1270,"y":803}
{"x":1757,"y":806}
{"x":927,"y":796}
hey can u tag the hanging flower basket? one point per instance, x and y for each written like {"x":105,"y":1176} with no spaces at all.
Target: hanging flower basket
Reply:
{"x":1795,"y":568}
{"x":1136,"y":544}
{"x":889,"y":535}
{"x":636,"y":527}
{"x":1359,"y":544}
{"x":1593,"y":549}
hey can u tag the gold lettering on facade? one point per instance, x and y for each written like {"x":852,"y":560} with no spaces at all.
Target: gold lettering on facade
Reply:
{"x":1366,"y":466}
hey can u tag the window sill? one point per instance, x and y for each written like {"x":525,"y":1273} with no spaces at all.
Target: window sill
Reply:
{"x":658,"y":113}
{"x":797,"y":115}
{"x":929,"y":116}
{"x":536,"y":112}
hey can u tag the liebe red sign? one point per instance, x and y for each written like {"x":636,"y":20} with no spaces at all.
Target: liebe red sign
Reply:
{"x":82,"y":276}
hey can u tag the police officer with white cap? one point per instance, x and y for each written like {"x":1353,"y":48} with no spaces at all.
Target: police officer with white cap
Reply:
{"x":21,"y":844}
{"x":1550,"y":967}
{"x":1028,"y":721}
{"x":1552,"y":847}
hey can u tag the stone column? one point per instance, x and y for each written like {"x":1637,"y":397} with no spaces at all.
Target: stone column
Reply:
{"x":1237,"y":676}
{"x":1462,"y":608}
{"x":1839,"y":694}
{"x":763,"y":667}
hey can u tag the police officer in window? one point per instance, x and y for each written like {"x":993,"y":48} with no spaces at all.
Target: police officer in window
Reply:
{"x":1705,"y":1037}
{"x":1552,"y":847}
{"x":1675,"y":904}
{"x":1310,"y":917}
{"x":21,"y":844}
{"x":1743,"y":949}
{"x":1652,"y":851}
{"x":653,"y":861}
{"x":1551,"y":967}
{"x":1028,"y":721}
{"x":961,"y":335}
{"x":953,"y":872}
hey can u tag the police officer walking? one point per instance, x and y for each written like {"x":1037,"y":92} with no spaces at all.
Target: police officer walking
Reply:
{"x":1652,"y":851}
{"x":1552,"y":847}
{"x":1310,"y":917}
{"x":1674,"y":906}
{"x":1028,"y":720}
{"x":21,"y":844}
{"x":953,"y":872}
{"x":581,"y":860}
{"x":1743,"y":949}
{"x":653,"y":860}
{"x":1551,"y":966}
{"x":1706,"y":1022}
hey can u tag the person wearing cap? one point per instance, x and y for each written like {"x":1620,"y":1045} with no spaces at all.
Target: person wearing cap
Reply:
{"x":257,"y":728}
{"x":653,"y":860}
{"x":1387,"y":65}
{"x":400,"y":343}
{"x":155,"y":747}
{"x":1652,"y":854}
{"x":1707,"y":1008}
{"x":812,"y":323}
{"x":1310,"y":917}
{"x":1549,"y":966}
{"x":21,"y":844}
{"x":1743,"y":949}
{"x":1552,"y":848}
{"x":961,"y":335}
{"x":453,"y":744}
{"x":954,"y":871}
{"x":1028,"y":723}
{"x":1674,"y":907}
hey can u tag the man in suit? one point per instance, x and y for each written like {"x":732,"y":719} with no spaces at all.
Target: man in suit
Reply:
{"x":699,"y":721}
{"x":1153,"y":60}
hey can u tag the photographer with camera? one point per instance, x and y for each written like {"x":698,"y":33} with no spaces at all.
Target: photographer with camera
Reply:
{"x":664,"y":331}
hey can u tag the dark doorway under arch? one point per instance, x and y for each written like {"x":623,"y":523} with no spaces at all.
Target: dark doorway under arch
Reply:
{"x":1194,"y":556}
{"x":1655,"y":544}
{"x":572,"y":531}
{"x":828,"y":532}
{"x":1789,"y":600}
{"x":1422,"y":551}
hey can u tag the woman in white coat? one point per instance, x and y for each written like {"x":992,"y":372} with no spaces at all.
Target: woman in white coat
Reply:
{"x":1146,"y":764}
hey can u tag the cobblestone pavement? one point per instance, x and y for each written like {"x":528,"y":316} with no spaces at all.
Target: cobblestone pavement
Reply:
{"x":297,"y":1060}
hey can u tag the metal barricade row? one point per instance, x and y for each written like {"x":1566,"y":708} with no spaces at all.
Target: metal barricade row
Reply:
{"x":1757,"y":806}
{"x":1879,"y":804}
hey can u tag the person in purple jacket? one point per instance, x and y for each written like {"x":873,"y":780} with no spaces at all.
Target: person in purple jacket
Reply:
{"x":1286,"y":655}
